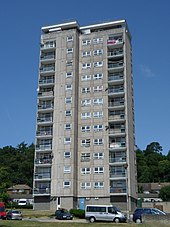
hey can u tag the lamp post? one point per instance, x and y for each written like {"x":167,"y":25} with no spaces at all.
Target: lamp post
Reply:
{"x":127,"y":191}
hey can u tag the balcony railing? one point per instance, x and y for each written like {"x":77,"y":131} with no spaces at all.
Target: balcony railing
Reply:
{"x":46,"y":81}
{"x":44,"y":119}
{"x":42,"y":191}
{"x":115,"y":90}
{"x":44,"y":133}
{"x":115,"y":53}
{"x":43,"y":161}
{"x":48,"y":45}
{"x":117,"y":190}
{"x":117,"y":174}
{"x":47,"y":57}
{"x":114,"y":41}
{"x":119,"y":159}
{"x":47,"y":69}
{"x":44,"y":147}
{"x":116,"y":117}
{"x":117,"y":103}
{"x":115,"y":65}
{"x":42,"y":176}
{"x":46,"y":106}
{"x":117,"y":145}
{"x":45,"y":94}
{"x":116,"y":77}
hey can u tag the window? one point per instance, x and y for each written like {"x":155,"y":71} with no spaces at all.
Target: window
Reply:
{"x":69,"y":50}
{"x":98,"y":141}
{"x":86,"y":42}
{"x":86,"y":53}
{"x":85,"y":185}
{"x":86,"y":170}
{"x":68,"y":113}
{"x":86,"y":102}
{"x":98,"y":170}
{"x":98,"y":114}
{"x":67,"y":126}
{"x":66,"y":184}
{"x":68,"y":87}
{"x":86,"y":128}
{"x":86,"y":65}
{"x":97,"y":40}
{"x":97,"y":101}
{"x":85,"y":142}
{"x":98,"y":155}
{"x":86,"y":77}
{"x":68,"y":100}
{"x":97,"y":52}
{"x":98,"y":128}
{"x":69,"y":74}
{"x":67,"y":169}
{"x":85,"y":115}
{"x":98,"y":76}
{"x":85,"y":156}
{"x":85,"y":90}
{"x":98,"y":184}
{"x":69,"y":38}
{"x":67,"y":154}
{"x":67,"y":140}
{"x":98,"y":88}
{"x":69,"y":63}
{"x":98,"y":64}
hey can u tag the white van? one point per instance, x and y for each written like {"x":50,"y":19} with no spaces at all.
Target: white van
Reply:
{"x":22,"y":202}
{"x":104,"y":213}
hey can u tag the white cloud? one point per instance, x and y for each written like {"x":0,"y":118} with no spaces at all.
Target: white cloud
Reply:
{"x":146,"y":71}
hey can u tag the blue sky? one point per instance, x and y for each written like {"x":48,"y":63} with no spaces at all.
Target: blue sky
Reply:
{"x":20,"y":27}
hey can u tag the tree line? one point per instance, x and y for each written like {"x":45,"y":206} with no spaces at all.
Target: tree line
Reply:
{"x":17,"y":165}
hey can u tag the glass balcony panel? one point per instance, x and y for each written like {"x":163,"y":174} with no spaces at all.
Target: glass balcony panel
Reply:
{"x":117,"y":159}
{"x":44,"y":119}
{"x":42,"y":176}
{"x":117,"y":190}
{"x":44,"y":133}
{"x":44,"y":94}
{"x":117,"y":174}
{"x":44,"y":147}
{"x":47,"y":57}
{"x":43,"y":161}
{"x":115,"y":77}
{"x":47,"y":69}
{"x":46,"y":81}
{"x":115,"y":65}
{"x":42,"y":191}
{"x":117,"y":145}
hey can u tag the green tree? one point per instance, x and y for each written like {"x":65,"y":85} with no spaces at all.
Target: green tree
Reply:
{"x":164,"y":193}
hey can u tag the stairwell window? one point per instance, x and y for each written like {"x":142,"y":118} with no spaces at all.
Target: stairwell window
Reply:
{"x":69,"y":74}
{"x":67,"y":126}
{"x":97,"y":76}
{"x":66,"y":184}
{"x":68,"y":100}
{"x":97,"y":52}
{"x":86,"y":53}
{"x":86,"y":77}
{"x":67,"y":154}
{"x":86,"y":42}
{"x":67,"y":169}
{"x":69,"y":38}
{"x":67,"y":140}
{"x":69,"y":50}
{"x":68,"y":113}
{"x":98,"y":64}
{"x":85,"y":90}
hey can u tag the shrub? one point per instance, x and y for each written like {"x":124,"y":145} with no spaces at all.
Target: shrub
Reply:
{"x":77,"y":213}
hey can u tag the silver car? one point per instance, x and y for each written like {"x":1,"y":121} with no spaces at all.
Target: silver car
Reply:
{"x":14,"y":215}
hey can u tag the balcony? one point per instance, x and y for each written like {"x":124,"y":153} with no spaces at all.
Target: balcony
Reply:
{"x":117,"y":190}
{"x":47,"y":58}
{"x":42,"y":191}
{"x":48,"y":45}
{"x":46,"y":82}
{"x":46,"y":107}
{"x":44,"y":134}
{"x":46,"y":94}
{"x":116,"y":104}
{"x":117,"y":91}
{"x":118,"y":117}
{"x":42,"y":176}
{"x":118,"y":174}
{"x":47,"y":69}
{"x":44,"y":120}
{"x":117,"y":131}
{"x":117,"y":160}
{"x":115,"y":66}
{"x":117,"y":145}
{"x":45,"y":147}
{"x":115,"y":41}
{"x":116,"y":79}
{"x":43,"y":161}
{"x":115,"y":54}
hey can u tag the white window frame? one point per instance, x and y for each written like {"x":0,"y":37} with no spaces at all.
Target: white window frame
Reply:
{"x":68,"y":100}
{"x":86,"y":102}
{"x":85,"y":142}
{"x":85,"y":156}
{"x":98,"y":185}
{"x":66,"y":113}
{"x":99,"y":169}
{"x":85,"y":185}
{"x":67,"y":126}
{"x":69,"y":63}
{"x":98,"y":114}
{"x":67,"y":155}
{"x":86,"y":42}
{"x":86,"y":65}
{"x":97,"y":52}
{"x":69,"y":50}
{"x":67,"y":169}
{"x":86,"y":170}
{"x":98,"y":64}
{"x":98,"y":88}
{"x":86,"y":128}
{"x":67,"y":140}
{"x":86,"y":53}
{"x":69,"y":74}
{"x":97,"y":76}
{"x":68,"y":87}
{"x":98,"y":101}
{"x":85,"y":77}
{"x":66,"y":184}
{"x":97,"y":128}
{"x":98,"y":141}
{"x":69,"y":38}
{"x":98,"y":155}
{"x":97,"y":40}
{"x":85,"y":90}
{"x":85,"y":115}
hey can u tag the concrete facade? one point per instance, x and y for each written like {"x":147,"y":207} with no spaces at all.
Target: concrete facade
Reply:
{"x":85,"y":117}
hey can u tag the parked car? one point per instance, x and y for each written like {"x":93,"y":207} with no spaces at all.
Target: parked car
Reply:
{"x":63,"y":214}
{"x":14,"y":215}
{"x":137,"y":215}
{"x":2,"y":211}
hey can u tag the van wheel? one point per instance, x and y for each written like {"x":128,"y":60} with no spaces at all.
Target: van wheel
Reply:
{"x":92,"y":219}
{"x":138,"y":220}
{"x":116,"y":220}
